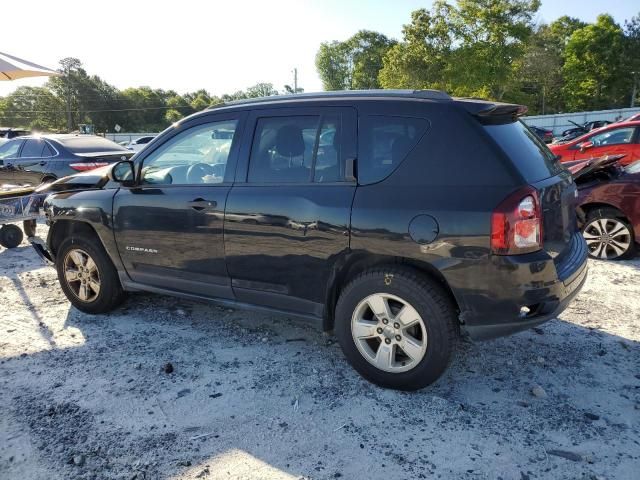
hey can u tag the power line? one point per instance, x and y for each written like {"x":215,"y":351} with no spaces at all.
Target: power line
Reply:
{"x":97,"y":111}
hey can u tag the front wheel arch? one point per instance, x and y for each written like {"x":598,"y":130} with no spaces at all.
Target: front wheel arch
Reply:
{"x":62,"y":229}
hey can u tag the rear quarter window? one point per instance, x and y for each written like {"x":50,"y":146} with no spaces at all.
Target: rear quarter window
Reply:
{"x":383,"y":143}
{"x":525,"y":150}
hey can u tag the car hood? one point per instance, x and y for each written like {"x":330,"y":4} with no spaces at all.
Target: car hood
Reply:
{"x":91,"y":179}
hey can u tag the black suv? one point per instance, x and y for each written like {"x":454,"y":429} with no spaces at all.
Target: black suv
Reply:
{"x":396,"y":218}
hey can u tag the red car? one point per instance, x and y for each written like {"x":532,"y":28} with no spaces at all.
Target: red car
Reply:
{"x":615,"y":139}
{"x":609,"y":205}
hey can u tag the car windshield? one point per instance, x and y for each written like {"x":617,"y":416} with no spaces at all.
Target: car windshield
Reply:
{"x":88,"y":144}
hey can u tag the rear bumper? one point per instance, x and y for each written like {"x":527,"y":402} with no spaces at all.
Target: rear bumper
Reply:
{"x":546,"y":291}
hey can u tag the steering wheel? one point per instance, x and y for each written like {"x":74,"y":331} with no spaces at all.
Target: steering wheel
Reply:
{"x":197,"y":171}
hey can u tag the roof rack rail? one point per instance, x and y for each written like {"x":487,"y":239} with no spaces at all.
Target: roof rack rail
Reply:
{"x":423,"y":94}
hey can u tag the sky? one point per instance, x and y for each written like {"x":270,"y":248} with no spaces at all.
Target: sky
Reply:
{"x":220,"y":46}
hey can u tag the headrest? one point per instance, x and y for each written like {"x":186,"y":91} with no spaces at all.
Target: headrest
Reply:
{"x":289,"y":141}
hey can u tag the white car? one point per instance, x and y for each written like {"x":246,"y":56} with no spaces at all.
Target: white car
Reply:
{"x":139,"y":143}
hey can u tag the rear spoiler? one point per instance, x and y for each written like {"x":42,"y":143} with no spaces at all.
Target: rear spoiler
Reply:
{"x":492,"y":112}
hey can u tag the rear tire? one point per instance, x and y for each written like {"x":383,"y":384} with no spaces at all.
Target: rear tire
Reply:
{"x":609,"y":235}
{"x":87,"y":276}
{"x":375,"y":342}
{"x":10,"y":236}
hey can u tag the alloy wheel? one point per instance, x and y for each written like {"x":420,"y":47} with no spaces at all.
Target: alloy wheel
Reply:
{"x":82,"y":275}
{"x":607,"y":238}
{"x":389,"y":333}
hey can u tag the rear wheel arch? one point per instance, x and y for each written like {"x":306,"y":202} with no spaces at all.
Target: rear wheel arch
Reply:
{"x":359,"y":264}
{"x":588,"y":208}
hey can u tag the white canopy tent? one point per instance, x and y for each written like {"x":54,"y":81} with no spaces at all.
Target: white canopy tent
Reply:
{"x":12,"y":68}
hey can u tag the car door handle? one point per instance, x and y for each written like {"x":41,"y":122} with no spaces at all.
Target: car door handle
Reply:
{"x":43,"y":163}
{"x":201,"y":204}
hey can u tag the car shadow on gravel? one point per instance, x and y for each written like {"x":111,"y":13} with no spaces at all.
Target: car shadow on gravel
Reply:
{"x":165,"y":388}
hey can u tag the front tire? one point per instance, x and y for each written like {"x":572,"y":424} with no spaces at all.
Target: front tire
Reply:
{"x":87,"y":276}
{"x":396,"y":328}
{"x":608,"y":234}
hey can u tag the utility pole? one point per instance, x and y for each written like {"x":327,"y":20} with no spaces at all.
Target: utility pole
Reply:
{"x":633,"y":92}
{"x":295,"y":80}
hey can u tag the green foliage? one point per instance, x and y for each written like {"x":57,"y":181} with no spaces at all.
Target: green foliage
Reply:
{"x":593,"y":66}
{"x":76,"y":97}
{"x":468,"y":49}
{"x":354,"y":63}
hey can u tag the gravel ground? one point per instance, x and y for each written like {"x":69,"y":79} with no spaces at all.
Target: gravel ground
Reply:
{"x":170,"y":389}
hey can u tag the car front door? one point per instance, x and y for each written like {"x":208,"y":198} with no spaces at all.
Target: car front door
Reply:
{"x":32,"y":161}
{"x":168,"y":227}
{"x":287,"y":215}
{"x":8,"y":155}
{"x":614,"y":141}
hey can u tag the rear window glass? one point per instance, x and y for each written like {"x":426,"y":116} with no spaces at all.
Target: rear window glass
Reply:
{"x":529,"y":154}
{"x":88,"y":144}
{"x":383,"y":142}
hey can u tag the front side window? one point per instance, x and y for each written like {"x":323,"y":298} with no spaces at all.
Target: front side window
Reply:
{"x":296,"y":149}
{"x":196,"y":156}
{"x":383,"y":142}
{"x":613,"y":137}
{"x":10,"y":149}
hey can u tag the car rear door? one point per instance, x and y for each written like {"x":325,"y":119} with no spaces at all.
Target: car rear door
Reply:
{"x":168,"y":227}
{"x":287,"y":218}
{"x":32,"y":162}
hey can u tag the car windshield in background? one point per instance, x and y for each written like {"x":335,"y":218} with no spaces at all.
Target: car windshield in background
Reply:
{"x":89,"y":144}
{"x":532,"y":157}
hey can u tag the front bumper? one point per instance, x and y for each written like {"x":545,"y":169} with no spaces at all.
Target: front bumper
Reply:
{"x":40,"y":246}
{"x":542,"y":286}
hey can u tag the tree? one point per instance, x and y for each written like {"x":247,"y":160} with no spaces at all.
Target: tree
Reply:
{"x":35,"y":108}
{"x":261,"y":90}
{"x":593,"y":66}
{"x":631,"y":57}
{"x":470,"y":49}
{"x":424,"y":58}
{"x":354,"y":63}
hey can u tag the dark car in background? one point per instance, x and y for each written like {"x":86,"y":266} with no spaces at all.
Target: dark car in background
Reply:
{"x":543,"y":134}
{"x":359,"y":210}
{"x":32,"y":160}
{"x":9,"y":133}
{"x":609,"y":202}
{"x":571,"y":133}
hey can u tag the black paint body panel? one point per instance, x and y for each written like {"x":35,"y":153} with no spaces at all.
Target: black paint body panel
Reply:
{"x":289,"y":246}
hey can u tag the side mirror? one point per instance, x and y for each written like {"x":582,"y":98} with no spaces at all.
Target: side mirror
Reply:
{"x":122,"y":172}
{"x":585,"y":145}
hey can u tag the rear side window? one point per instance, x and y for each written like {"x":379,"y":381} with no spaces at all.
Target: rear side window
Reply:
{"x":384,"y":142}
{"x":528,"y":153}
{"x":32,"y":148}
{"x":296,"y":149}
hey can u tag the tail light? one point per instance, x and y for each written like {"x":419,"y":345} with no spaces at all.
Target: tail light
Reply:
{"x":516,"y":224}
{"x":84,"y":166}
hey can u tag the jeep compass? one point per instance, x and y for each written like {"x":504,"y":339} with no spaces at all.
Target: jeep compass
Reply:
{"x":398,"y":219}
